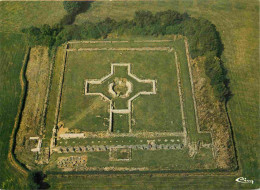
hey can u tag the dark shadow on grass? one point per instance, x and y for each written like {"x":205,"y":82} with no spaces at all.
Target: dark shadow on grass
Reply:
{"x":37,"y":180}
{"x":69,"y":19}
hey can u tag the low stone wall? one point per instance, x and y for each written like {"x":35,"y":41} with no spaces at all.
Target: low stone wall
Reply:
{"x":72,"y":135}
{"x":99,"y":148}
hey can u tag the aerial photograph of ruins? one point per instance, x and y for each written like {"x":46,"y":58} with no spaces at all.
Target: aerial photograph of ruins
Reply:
{"x":129,"y":94}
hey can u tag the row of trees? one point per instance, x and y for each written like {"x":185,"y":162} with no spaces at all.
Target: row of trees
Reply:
{"x":202,"y":35}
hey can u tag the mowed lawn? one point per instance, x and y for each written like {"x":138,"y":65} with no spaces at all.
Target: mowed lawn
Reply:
{"x":152,"y":113}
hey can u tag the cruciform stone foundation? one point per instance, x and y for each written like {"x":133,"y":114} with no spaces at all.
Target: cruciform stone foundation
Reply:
{"x":118,"y":88}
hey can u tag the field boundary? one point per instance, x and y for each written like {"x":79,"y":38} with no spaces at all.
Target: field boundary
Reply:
{"x":102,"y":79}
{"x":181,"y":97}
{"x":12,"y":143}
{"x":213,"y":172}
{"x":194,"y":99}
{"x":43,"y":122}
{"x":58,"y":103}
{"x":124,"y":49}
{"x":21,"y":168}
{"x":116,"y":41}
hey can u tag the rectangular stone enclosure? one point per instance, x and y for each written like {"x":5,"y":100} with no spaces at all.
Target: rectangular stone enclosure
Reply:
{"x":128,"y":106}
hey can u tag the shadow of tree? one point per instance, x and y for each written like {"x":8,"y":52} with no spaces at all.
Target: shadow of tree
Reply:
{"x":69,"y":18}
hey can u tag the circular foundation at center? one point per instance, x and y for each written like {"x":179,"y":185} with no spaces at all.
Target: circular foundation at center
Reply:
{"x":120,"y":87}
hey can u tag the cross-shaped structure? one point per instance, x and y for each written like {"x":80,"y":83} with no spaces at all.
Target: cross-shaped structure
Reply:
{"x":119,"y":88}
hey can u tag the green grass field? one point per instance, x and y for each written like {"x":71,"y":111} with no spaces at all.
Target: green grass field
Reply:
{"x":154,"y":113}
{"x":237,"y":22}
{"x":18,"y":15}
{"x":151,"y":113}
{"x":14,"y":17}
{"x":12,"y":55}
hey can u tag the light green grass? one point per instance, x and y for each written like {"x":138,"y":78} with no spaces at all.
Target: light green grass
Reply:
{"x":120,"y":123}
{"x":188,"y":103}
{"x":141,"y":182}
{"x":86,"y":113}
{"x":159,"y":112}
{"x":154,"y":160}
{"x":14,"y":17}
{"x":53,"y":94}
{"x":18,"y":15}
{"x":12,"y":52}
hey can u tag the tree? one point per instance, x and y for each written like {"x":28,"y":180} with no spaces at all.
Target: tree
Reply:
{"x":72,"y":6}
{"x":143,"y":18}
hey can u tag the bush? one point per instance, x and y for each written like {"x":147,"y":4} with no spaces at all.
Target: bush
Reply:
{"x":167,"y":18}
{"x":202,"y":35}
{"x":143,"y":18}
{"x":72,"y":6}
{"x":215,"y":71}
{"x":68,"y":19}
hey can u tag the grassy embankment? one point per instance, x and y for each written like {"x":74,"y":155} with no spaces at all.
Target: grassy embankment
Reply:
{"x":14,"y":17}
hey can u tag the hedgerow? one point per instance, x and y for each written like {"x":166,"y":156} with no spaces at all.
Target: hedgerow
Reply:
{"x":203,"y":38}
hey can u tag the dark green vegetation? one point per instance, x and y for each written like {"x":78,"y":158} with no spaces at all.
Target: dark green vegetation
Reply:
{"x":203,"y":38}
{"x":72,"y":7}
{"x":237,"y":22}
